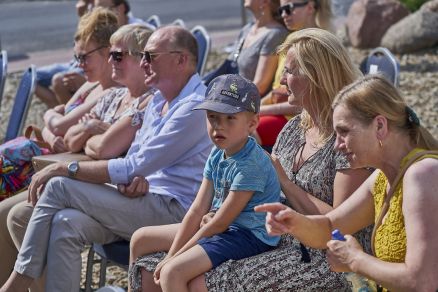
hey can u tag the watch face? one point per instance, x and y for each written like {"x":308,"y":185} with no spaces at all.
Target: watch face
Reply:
{"x":73,"y":168}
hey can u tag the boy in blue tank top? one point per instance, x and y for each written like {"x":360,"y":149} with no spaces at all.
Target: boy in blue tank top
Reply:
{"x":238,"y":176}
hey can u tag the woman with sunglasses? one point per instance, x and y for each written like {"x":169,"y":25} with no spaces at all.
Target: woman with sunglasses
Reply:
{"x":91,"y":49}
{"x":275,"y":111}
{"x":108,"y":130}
{"x":257,"y":42}
{"x":91,"y":53}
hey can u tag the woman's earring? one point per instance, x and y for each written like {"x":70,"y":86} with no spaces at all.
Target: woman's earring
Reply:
{"x":380,"y":143}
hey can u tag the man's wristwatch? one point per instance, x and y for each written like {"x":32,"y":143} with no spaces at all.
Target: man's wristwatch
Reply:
{"x":73,"y":168}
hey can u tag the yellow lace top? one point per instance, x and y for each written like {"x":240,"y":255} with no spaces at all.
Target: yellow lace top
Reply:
{"x":390,"y":240}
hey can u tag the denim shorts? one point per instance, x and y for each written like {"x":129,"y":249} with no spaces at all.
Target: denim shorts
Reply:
{"x":234,"y":244}
{"x":45,"y":74}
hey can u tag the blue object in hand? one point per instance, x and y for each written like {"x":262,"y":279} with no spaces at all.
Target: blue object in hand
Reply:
{"x":337,"y":235}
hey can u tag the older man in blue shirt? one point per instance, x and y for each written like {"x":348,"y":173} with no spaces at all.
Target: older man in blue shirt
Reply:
{"x":157,"y":180}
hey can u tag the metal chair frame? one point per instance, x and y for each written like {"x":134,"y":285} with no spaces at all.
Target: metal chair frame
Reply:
{"x":179,"y":22}
{"x":110,"y":254}
{"x":154,"y":20}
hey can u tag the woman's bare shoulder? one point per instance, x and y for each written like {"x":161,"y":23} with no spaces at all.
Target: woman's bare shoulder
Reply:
{"x":426,"y":168}
{"x":420,"y":180}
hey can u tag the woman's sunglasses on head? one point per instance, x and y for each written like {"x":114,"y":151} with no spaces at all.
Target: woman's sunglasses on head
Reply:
{"x":289,"y":7}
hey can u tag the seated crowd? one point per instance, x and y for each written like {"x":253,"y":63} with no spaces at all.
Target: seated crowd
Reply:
{"x":179,"y":169}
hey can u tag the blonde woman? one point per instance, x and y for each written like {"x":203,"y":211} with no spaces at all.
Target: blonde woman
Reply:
{"x":313,"y":176}
{"x":376,"y":128}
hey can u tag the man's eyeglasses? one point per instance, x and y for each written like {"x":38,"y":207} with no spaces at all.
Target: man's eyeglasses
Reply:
{"x":149,"y":56}
{"x":118,"y":56}
{"x":82,"y":58}
{"x":289,"y":7}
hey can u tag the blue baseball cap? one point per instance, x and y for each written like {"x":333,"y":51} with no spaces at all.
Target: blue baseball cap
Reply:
{"x":231,"y":94}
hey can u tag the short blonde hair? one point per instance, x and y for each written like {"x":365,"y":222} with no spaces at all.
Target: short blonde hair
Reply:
{"x":327,"y":65}
{"x":374,"y":95}
{"x":97,"y":25}
{"x":134,"y":36}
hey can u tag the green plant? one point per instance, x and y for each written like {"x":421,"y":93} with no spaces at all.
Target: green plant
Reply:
{"x":413,"y":5}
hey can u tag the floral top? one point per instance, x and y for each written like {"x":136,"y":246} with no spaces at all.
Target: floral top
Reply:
{"x":80,"y":100}
{"x":107,"y":106}
{"x":316,"y":175}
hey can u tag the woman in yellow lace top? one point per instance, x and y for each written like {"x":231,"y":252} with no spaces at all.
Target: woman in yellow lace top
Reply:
{"x":375,"y":128}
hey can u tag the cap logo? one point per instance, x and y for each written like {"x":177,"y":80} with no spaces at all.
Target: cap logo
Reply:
{"x":253,"y":106}
{"x":233,"y":87}
{"x":244,"y":98}
{"x":230,"y":94}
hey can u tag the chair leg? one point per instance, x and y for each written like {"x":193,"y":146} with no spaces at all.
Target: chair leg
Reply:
{"x":102,"y":278}
{"x":89,"y":270}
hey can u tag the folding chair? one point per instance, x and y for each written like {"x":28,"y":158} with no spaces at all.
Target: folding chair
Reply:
{"x":116,"y":253}
{"x":154,"y":20}
{"x":383,"y":61}
{"x":3,"y":72}
{"x":204,"y":44}
{"x":179,"y":22}
{"x":21,"y":103}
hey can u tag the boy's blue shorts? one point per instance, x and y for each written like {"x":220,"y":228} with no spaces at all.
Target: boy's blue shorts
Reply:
{"x":234,"y":244}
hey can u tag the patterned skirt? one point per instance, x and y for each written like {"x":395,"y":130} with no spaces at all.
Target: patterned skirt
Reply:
{"x":281,"y":269}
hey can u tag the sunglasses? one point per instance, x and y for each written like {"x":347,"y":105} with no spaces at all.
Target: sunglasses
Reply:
{"x":118,"y":56}
{"x":289,"y":7}
{"x":82,"y":58}
{"x":149,"y":56}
